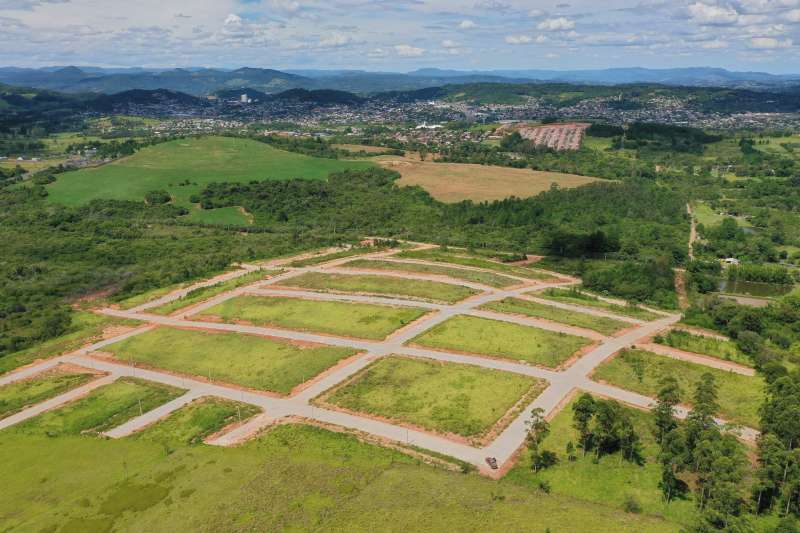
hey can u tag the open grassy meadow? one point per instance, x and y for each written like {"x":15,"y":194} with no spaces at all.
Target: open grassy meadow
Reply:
{"x":102,"y":409}
{"x":569,"y":296}
{"x":336,"y":318}
{"x":183,"y":167}
{"x":381,"y":285}
{"x":464,"y":258}
{"x":516,"y":306}
{"x":192,"y":423}
{"x":486,"y":278}
{"x":293,"y":477}
{"x":454,"y":182}
{"x":255,"y":362}
{"x":20,"y":394}
{"x":502,"y":339}
{"x":703,"y":345}
{"x":443,"y":397}
{"x":740,"y":397}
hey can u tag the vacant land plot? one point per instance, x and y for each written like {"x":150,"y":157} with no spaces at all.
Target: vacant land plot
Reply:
{"x":610,"y":481}
{"x":254,"y":362}
{"x":412,"y":288}
{"x":20,"y":394}
{"x":337,"y":318}
{"x":739,"y":396}
{"x":705,"y":346}
{"x":204,"y":293}
{"x":604,"y":325}
{"x":324,"y":258}
{"x":103,"y":409}
{"x":183,"y":167}
{"x":502,"y":339}
{"x":194,"y":422}
{"x":459,"y":257}
{"x":445,"y":397}
{"x":574,"y":297}
{"x":486,"y":278}
{"x":454,"y":182}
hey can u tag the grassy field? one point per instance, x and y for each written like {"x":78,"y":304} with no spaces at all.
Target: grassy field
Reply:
{"x":382,"y":285}
{"x":20,"y":394}
{"x":705,"y":346}
{"x":293,"y":478}
{"x":444,"y":397}
{"x":104,"y":408}
{"x":739,"y":396}
{"x":254,"y":362}
{"x":464,"y":258}
{"x":502,"y":339}
{"x":604,"y":325}
{"x":486,"y":278}
{"x":708,"y":217}
{"x":192,"y":423}
{"x":454,"y":182}
{"x":569,"y":296}
{"x":199,"y":161}
{"x":84,"y":329}
{"x":337,"y":318}
{"x":610,"y":481}
{"x":324,"y":258}
{"x":204,"y":293}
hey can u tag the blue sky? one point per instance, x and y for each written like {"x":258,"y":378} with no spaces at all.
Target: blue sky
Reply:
{"x":402,"y":35}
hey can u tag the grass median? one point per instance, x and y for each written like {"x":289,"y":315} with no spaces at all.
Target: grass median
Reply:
{"x":604,"y":325}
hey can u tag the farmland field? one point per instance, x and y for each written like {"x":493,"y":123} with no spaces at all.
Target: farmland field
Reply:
{"x":355,"y":283}
{"x":336,"y":318}
{"x":444,"y":397}
{"x":604,"y":325}
{"x":255,"y":362}
{"x":18,"y":395}
{"x":486,"y":278}
{"x":739,"y":396}
{"x":502,"y":339}
{"x":454,"y":182}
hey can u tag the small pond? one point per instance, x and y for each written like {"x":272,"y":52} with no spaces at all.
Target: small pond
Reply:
{"x":754,"y":288}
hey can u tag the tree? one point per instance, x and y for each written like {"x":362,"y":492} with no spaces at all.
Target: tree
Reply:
{"x":672,"y":458}
{"x":582,"y":413}
{"x":669,"y":395}
{"x":772,"y":469}
{"x":701,"y":418}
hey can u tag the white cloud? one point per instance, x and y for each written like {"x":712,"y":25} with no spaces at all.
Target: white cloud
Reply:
{"x":336,"y":40}
{"x":289,"y":6}
{"x":467,"y":25}
{"x":556,"y":24}
{"x":716,"y":44}
{"x":518,"y":39}
{"x":712,"y":14}
{"x":406,"y":50}
{"x":769,"y":43}
{"x":793,"y":15}
{"x":447,"y":43}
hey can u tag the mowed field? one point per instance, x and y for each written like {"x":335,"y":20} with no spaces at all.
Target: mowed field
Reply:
{"x":454,"y":182}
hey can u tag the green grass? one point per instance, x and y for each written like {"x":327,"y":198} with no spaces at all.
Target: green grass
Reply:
{"x":85,"y":328}
{"x":462,"y":257}
{"x":293,"y":478}
{"x":337,"y":318}
{"x":486,"y":278}
{"x":20,"y":394}
{"x":444,"y":397}
{"x":604,"y":325}
{"x":637,"y":370}
{"x":609,"y":481}
{"x":708,"y":217}
{"x":502,"y":339}
{"x":104,"y":408}
{"x":699,"y":344}
{"x":256,"y":362}
{"x":152,"y":294}
{"x":324,"y":258}
{"x":569,"y":296}
{"x":192,"y":423}
{"x":199,"y":160}
{"x":204,"y":293}
{"x":382,"y":285}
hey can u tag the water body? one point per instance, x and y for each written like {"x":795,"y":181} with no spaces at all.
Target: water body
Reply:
{"x":754,"y":288}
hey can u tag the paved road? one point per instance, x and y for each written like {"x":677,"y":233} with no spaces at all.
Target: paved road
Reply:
{"x":145,"y":419}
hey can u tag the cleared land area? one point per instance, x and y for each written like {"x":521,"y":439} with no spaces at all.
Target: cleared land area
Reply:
{"x":502,"y":339}
{"x":569,"y":296}
{"x":412,"y":288}
{"x":255,"y":362}
{"x":444,"y":397}
{"x":191,"y":424}
{"x":604,"y":325}
{"x":459,"y":257}
{"x":183,"y":167}
{"x":337,"y":318}
{"x":18,"y":395}
{"x":204,"y":293}
{"x":293,"y":477}
{"x":317,"y":259}
{"x":104,"y":408}
{"x":361,"y":148}
{"x":700,"y":344}
{"x":640,"y":371}
{"x":486,"y":278}
{"x":454,"y":182}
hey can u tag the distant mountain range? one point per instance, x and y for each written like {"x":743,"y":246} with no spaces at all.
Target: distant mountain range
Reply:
{"x":202,"y":81}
